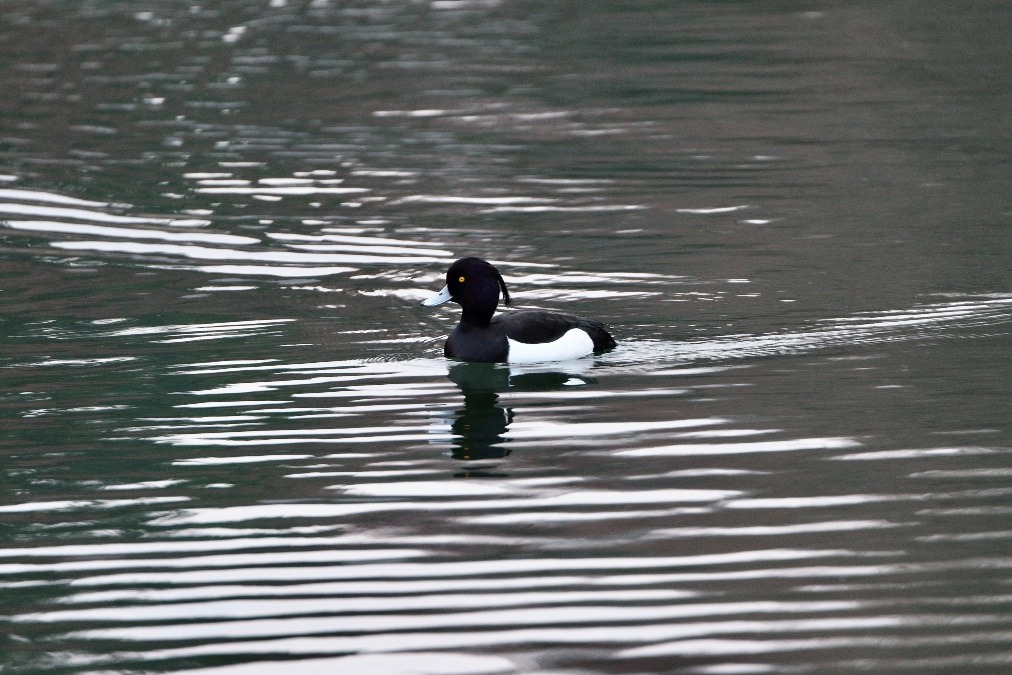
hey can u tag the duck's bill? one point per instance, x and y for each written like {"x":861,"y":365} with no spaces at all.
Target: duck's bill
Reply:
{"x":438,"y":299}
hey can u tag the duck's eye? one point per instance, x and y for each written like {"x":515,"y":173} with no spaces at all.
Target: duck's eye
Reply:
{"x":460,"y":279}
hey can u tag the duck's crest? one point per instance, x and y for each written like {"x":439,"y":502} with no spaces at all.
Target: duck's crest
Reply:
{"x":502,"y":284}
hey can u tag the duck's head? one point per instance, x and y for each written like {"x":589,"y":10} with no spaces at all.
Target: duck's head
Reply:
{"x":473,"y":284}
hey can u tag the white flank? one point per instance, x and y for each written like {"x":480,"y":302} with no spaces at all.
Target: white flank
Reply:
{"x":574,"y":344}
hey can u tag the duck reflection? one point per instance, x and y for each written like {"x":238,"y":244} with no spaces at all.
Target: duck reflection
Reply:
{"x":479,"y":428}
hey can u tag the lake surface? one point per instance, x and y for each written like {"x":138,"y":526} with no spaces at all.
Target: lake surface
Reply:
{"x":229,"y":436}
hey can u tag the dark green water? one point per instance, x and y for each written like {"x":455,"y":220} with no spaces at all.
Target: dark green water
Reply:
{"x":228,"y":435}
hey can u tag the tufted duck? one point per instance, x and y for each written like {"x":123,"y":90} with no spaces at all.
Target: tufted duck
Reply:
{"x":515,"y":337}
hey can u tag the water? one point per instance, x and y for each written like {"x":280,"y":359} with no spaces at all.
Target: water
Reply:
{"x":230,"y":438}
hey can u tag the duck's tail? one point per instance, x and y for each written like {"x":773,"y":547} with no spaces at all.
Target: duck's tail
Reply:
{"x":598,"y":332}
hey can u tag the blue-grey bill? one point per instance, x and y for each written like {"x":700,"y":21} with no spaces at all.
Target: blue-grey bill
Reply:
{"x":439,"y":298}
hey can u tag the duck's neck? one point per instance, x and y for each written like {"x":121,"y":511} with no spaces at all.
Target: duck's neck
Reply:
{"x":476,"y":318}
{"x":480,"y":304}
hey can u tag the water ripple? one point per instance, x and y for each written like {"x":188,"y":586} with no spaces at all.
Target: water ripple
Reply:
{"x":231,"y":442}
{"x":296,"y":257}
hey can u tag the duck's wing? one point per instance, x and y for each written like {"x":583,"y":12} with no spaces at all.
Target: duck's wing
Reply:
{"x":538,"y":327}
{"x":534,"y":326}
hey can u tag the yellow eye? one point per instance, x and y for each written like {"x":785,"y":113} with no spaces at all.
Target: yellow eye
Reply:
{"x":460,"y":279}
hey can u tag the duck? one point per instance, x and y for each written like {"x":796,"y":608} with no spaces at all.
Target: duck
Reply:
{"x":527,"y":336}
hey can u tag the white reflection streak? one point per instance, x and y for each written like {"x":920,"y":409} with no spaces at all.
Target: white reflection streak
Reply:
{"x":205,"y":420}
{"x":130,"y":233}
{"x":559,"y":294}
{"x":590,"y":208}
{"x":714,"y":210}
{"x":355,"y":368}
{"x":364,"y":474}
{"x":413,"y":367}
{"x":232,"y":404}
{"x":449,"y":199}
{"x":723,"y":647}
{"x":172,"y":546}
{"x":421,"y":488}
{"x":553,"y":517}
{"x":225,"y":561}
{"x":262,"y":270}
{"x":380,"y":391}
{"x":353,"y":248}
{"x":200,"y":331}
{"x":572,"y":277}
{"x":197,"y":327}
{"x":403,"y":574}
{"x":82,"y":214}
{"x":289,"y":190}
{"x":384,"y":587}
{"x":774,"y":530}
{"x":223,"y":438}
{"x":273,"y":385}
{"x":921,"y":453}
{"x":244,"y":459}
{"x":207,"y":253}
{"x":544,"y":616}
{"x":143,"y":485}
{"x":38,"y":196}
{"x":419,"y":663}
{"x":386,"y":435}
{"x":815,"y":502}
{"x":596,"y":498}
{"x":555,"y":429}
{"x":68,"y":504}
{"x":575,"y":635}
{"x":236,"y":609}
{"x":694,"y":449}
{"x":822,"y":501}
{"x":349,"y":239}
{"x":80,"y":362}
{"x":982,"y":472}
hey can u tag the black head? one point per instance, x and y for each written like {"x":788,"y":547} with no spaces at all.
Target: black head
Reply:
{"x":476,"y":286}
{"x":474,"y":282}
